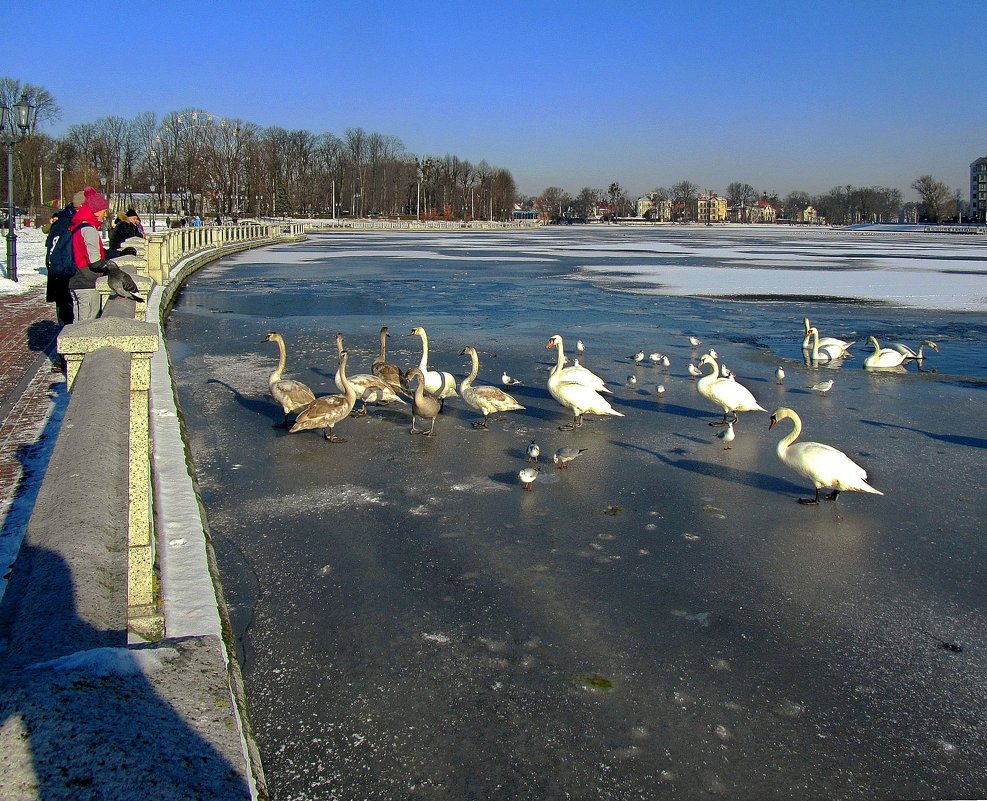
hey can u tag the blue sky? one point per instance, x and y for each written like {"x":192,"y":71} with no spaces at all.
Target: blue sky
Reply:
{"x":780,"y":95}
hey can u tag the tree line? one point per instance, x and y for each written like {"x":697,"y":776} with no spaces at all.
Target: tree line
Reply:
{"x":841,"y":205}
{"x":198,"y":163}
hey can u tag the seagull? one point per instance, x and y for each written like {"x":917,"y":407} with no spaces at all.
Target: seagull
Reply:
{"x":565,"y":455}
{"x":660,"y":391}
{"x":528,"y":476}
{"x":580,"y":346}
{"x":780,"y":374}
{"x":637,"y":357}
{"x":508,"y":381}
{"x":655,"y":357}
{"x":533,"y":451}
{"x":631,"y":380}
{"x":694,"y":371}
{"x":695,"y":342}
{"x":665,"y":362}
{"x":122,"y":284}
{"x":727,"y":435}
{"x":823,"y":386}
{"x":712,"y":352}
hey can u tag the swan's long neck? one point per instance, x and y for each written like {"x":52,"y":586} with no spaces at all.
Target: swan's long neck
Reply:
{"x":706,"y":380}
{"x":468,"y":381}
{"x":423,"y":364}
{"x":560,"y":357}
{"x":282,"y":362}
{"x":383,"y":347}
{"x":814,"y":333}
{"x":348,"y":389}
{"x":793,"y":435}
{"x":874,"y":344}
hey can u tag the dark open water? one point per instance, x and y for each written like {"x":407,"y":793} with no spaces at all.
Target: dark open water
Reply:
{"x":660,"y":621}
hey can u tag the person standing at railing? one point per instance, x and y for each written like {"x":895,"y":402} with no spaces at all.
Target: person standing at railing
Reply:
{"x":89,"y":254}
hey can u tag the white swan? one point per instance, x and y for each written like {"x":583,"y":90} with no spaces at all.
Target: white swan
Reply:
{"x":326,"y":411}
{"x":882,"y":357}
{"x":822,"y":354}
{"x":911,"y":354}
{"x":437,"y":383}
{"x":732,"y":396}
{"x":292,"y":396}
{"x":823,"y":465}
{"x":486,"y":400}
{"x":577,"y":374}
{"x":368,"y":388}
{"x":580,"y":398}
{"x":826,"y":342}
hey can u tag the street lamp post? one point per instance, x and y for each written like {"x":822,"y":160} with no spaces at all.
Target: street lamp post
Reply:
{"x":154,"y":208}
{"x":15,"y":125}
{"x":61,"y":169}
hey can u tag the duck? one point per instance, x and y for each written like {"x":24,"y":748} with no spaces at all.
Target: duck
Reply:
{"x":368,"y":388}
{"x":528,"y":476}
{"x":821,"y":354}
{"x":826,"y":342}
{"x":440,"y":384}
{"x":577,"y":373}
{"x":292,"y":396}
{"x":422,"y":405}
{"x":580,"y":398}
{"x":911,"y":354}
{"x":327,"y":411}
{"x":486,"y":400}
{"x":882,"y":357}
{"x":728,"y":435}
{"x":387,"y":372}
{"x":564,"y":455}
{"x":731,"y":395}
{"x":823,"y":465}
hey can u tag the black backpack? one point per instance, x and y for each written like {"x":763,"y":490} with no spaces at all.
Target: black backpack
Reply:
{"x":60,"y":258}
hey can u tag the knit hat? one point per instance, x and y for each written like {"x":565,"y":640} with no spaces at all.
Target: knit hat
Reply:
{"x":78,"y":199}
{"x":95,"y":200}
{"x":131,"y":212}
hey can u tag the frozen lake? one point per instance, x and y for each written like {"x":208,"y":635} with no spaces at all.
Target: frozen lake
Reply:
{"x":662,"y":619}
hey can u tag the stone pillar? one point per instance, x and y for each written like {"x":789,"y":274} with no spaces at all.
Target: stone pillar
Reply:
{"x":140,"y":340}
{"x":156,"y":266}
{"x":144,"y":287}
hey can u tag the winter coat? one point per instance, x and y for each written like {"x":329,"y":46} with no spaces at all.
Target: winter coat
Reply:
{"x":87,"y":250}
{"x":123,"y":230}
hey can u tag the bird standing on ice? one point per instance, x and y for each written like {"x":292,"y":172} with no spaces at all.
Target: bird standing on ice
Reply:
{"x":564,"y":455}
{"x":533,"y":452}
{"x":528,"y":476}
{"x":823,"y":465}
{"x":780,"y":375}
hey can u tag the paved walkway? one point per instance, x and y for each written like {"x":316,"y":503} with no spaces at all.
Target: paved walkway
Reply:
{"x":28,"y":386}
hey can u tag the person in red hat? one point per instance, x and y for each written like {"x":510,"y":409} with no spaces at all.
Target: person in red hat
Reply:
{"x":89,"y":254}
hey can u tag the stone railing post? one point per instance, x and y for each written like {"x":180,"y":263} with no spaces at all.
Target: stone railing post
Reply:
{"x":156,"y":267}
{"x":140,"y":340}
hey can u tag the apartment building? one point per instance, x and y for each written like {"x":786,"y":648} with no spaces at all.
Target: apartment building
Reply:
{"x":978,"y":190}
{"x":711,"y":208}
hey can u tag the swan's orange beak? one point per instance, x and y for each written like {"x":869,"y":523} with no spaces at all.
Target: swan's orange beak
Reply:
{"x":772,"y":423}
{"x":551,"y":344}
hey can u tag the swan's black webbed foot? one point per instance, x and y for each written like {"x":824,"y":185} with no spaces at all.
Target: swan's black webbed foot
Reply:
{"x":833,"y":495}
{"x":480,"y":424}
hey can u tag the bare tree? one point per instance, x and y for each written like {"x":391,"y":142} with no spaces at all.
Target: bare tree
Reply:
{"x":553,"y":202}
{"x":684,"y":195}
{"x":935,"y":195}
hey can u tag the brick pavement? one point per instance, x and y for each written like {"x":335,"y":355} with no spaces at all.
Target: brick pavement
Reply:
{"x":29,"y":391}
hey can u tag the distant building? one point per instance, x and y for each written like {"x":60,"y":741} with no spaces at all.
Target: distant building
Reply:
{"x":978,"y":190}
{"x":764,"y":211}
{"x":808,"y":216}
{"x":653,"y":208}
{"x":711,"y":208}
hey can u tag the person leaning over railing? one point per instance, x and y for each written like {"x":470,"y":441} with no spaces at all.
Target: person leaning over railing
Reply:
{"x":89,"y":254}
